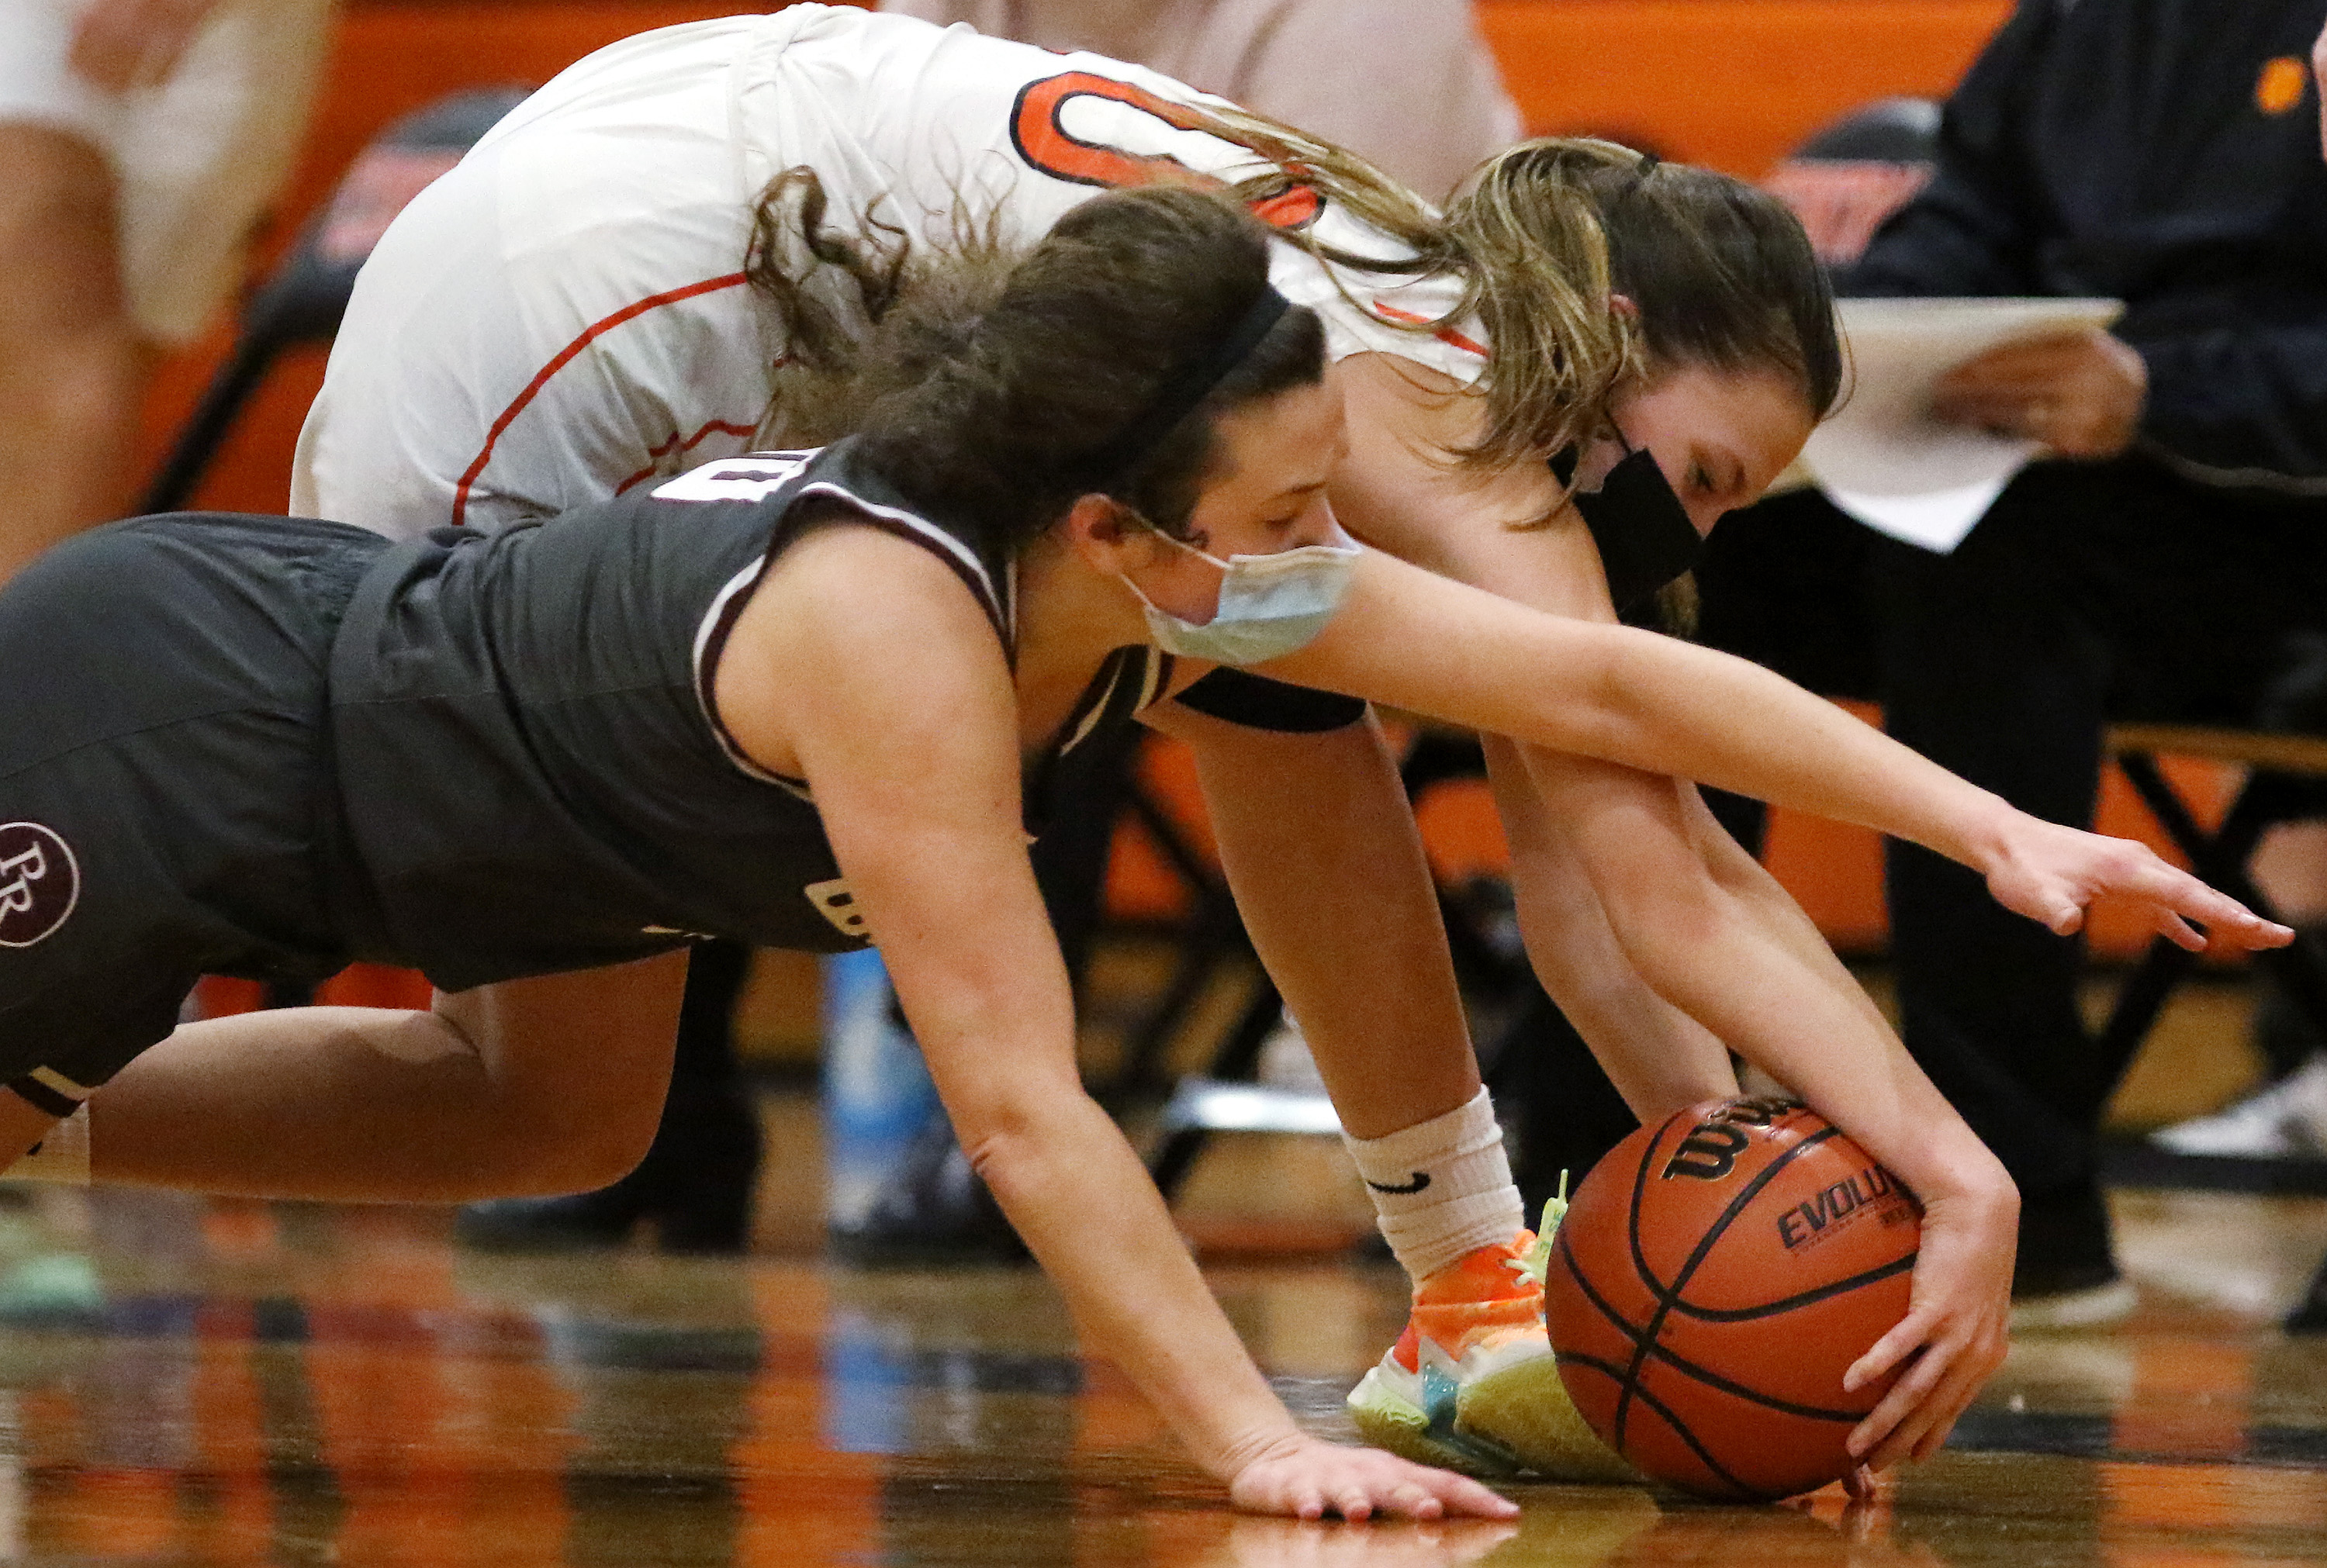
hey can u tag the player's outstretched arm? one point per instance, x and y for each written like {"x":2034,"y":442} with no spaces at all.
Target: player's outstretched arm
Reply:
{"x":1414,"y":641}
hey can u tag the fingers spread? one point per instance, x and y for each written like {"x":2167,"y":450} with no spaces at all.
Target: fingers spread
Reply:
{"x":2180,"y":932}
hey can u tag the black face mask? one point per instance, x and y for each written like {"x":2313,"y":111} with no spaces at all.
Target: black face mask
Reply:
{"x":1642,"y":531}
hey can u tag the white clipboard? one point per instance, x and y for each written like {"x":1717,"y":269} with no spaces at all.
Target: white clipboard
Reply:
{"x":1883,"y":458}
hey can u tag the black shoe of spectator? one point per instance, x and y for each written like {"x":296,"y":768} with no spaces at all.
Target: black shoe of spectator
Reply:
{"x":2066,"y":1276}
{"x":694,"y":1188}
{"x":935,"y":1210}
{"x":2064,"y":1241}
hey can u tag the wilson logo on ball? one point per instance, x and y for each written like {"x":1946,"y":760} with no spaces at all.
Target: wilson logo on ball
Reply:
{"x":39,"y":883}
{"x":1710,"y":1151}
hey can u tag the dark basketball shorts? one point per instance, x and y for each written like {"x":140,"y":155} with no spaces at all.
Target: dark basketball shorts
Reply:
{"x":166,"y":808}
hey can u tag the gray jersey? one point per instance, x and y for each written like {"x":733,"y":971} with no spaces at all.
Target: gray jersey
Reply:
{"x":529,"y":788}
{"x":268,"y":746}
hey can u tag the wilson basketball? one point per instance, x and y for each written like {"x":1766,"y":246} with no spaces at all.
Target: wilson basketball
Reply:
{"x":1715,"y":1277}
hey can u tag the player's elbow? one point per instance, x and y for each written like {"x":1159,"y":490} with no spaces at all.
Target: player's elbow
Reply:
{"x":1015,"y":1143}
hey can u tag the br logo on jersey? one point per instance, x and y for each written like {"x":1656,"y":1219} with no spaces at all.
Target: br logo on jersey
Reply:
{"x":39,"y":883}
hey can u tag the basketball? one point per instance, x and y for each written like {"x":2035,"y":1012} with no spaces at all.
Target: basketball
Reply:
{"x":1713,"y":1278}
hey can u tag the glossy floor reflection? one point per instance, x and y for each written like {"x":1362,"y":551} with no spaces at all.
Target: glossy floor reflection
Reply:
{"x":193,"y":1383}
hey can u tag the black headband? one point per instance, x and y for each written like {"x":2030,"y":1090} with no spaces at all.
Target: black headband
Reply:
{"x":1186,"y":387}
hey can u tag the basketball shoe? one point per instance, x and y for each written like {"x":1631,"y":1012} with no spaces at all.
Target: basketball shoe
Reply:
{"x":1470,"y":1384}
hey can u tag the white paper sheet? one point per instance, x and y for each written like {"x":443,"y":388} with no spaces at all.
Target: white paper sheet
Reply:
{"x":1883,"y":458}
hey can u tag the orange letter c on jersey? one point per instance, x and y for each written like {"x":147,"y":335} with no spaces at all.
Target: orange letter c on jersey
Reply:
{"x":1045,"y":144}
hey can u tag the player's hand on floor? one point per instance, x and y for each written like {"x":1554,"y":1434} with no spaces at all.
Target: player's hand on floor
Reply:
{"x":1956,"y":1331}
{"x":1307,"y":1478}
{"x":2053,"y":873}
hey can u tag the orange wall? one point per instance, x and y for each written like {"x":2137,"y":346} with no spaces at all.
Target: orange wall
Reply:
{"x":1733,"y":84}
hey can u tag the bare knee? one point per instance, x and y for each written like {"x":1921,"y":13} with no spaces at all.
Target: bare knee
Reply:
{"x":574,"y":1066}
{"x":564,"y":1157}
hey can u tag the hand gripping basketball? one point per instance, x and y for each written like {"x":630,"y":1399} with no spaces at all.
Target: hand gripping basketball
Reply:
{"x":1716,"y":1278}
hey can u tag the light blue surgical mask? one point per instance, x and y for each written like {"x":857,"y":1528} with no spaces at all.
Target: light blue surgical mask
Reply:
{"x":1270,"y":605}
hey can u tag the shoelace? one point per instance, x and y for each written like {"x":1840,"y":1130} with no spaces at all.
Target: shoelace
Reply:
{"x":1533,"y":1263}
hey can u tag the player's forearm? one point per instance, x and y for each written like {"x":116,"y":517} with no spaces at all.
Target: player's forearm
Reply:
{"x":1714,"y":937}
{"x":1784,"y":1015}
{"x":1697,"y":714}
{"x":1659,"y":1057}
{"x":1748,"y":881}
{"x":1082,"y":1201}
{"x":980,"y":979}
{"x":1412,"y":641}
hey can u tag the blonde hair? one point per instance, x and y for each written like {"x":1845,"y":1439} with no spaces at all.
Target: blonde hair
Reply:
{"x":1541,"y":239}
{"x":1525,"y":241}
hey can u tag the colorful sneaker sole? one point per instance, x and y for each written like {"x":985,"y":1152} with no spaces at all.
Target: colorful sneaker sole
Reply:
{"x":1524,"y":1410}
{"x":1494,"y":1424}
{"x":1387,"y":1419}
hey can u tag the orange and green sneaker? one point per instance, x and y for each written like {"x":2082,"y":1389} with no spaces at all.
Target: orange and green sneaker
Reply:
{"x":1472,"y":1385}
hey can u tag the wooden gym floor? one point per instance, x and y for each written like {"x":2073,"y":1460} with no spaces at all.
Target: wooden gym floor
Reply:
{"x":192,"y":1383}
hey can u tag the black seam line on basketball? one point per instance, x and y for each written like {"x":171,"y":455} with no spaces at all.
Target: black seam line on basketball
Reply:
{"x":1807,"y":1298}
{"x":1640,"y":1265}
{"x":1676,"y":1422}
{"x":1704,"y":1375}
{"x":1592,"y":1294}
{"x":1696,"y":1260}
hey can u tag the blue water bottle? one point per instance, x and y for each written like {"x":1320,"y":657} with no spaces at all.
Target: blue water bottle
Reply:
{"x":877,"y":1093}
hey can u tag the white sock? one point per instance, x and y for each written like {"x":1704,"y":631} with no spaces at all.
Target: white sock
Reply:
{"x":1441,"y":1188}
{"x":62,"y":1155}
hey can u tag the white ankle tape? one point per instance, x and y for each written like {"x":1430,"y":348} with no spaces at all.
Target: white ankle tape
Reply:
{"x":1442,"y":1187}
{"x":62,"y":1154}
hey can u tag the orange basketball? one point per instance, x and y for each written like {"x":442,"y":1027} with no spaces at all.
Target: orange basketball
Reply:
{"x":1715,"y":1277}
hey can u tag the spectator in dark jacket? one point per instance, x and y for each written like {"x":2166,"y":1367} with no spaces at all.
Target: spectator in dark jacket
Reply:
{"x":2161,"y":152}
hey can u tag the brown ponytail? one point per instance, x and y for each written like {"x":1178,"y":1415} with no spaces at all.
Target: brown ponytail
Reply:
{"x":985,"y":385}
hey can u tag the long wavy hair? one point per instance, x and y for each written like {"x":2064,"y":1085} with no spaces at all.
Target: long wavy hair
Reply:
{"x":987,"y":385}
{"x":1542,"y":237}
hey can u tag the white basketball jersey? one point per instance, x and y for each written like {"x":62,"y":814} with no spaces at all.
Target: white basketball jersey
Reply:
{"x":564,"y":315}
